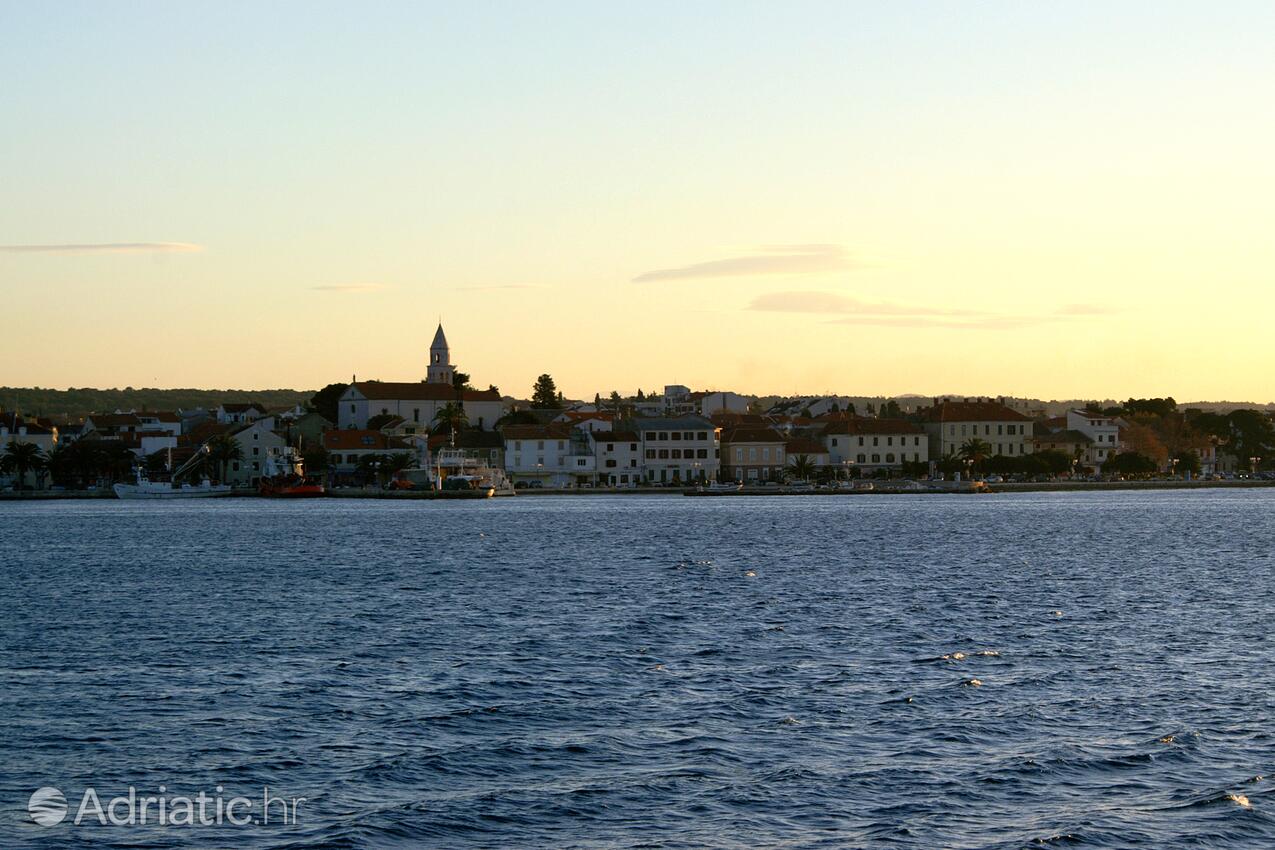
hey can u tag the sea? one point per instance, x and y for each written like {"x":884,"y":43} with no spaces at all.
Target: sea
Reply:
{"x":1079,"y":670}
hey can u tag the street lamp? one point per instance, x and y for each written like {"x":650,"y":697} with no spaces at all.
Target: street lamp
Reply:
{"x":1253,"y":462}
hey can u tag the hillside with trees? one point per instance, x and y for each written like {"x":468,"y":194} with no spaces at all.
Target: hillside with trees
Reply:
{"x":76,"y":403}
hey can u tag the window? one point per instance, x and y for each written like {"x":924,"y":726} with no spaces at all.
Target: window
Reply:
{"x":611,"y":463}
{"x":677,"y":435}
{"x":739,"y":454}
{"x":752,"y":453}
{"x":765,"y":453}
{"x":677,"y":454}
{"x":701,"y":453}
{"x":703,"y":435}
{"x":663,"y":454}
{"x":580,"y":461}
{"x":661,"y":436}
{"x":256,"y":450}
{"x":610,"y":447}
{"x":255,"y":435}
{"x":861,"y":459}
{"x":689,"y":435}
{"x":540,"y":445}
{"x":632,"y":447}
{"x":834,"y":441}
{"x":352,"y":408}
{"x":861,"y":441}
{"x":650,"y":454}
{"x":889,"y":458}
{"x":876,"y":458}
{"x":876,"y":441}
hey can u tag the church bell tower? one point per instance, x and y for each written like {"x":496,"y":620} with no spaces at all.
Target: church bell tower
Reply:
{"x":440,"y":359}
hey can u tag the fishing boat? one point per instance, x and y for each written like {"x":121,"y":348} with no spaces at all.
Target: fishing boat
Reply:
{"x":286,"y":480}
{"x":144,"y":488}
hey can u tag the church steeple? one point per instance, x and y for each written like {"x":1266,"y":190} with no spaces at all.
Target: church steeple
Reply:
{"x":440,"y":359}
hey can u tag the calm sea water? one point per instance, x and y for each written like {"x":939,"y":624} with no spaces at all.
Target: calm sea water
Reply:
{"x":650,"y":672}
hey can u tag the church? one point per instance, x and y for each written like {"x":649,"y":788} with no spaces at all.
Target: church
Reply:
{"x":419,"y":402}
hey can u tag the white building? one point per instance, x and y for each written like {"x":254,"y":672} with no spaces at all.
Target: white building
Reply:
{"x":678,"y":448}
{"x":1103,"y":431}
{"x":554,"y":454}
{"x":722,"y":402}
{"x":419,"y":402}
{"x":617,"y":457}
{"x":872,"y":444}
{"x":952,"y":424}
{"x":257,"y":442}
{"x":15,"y":429}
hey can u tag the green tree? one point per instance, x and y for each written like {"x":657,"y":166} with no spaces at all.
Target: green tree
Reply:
{"x":1130,"y":463}
{"x":21,"y":458}
{"x":976,"y":451}
{"x":1188,"y":461}
{"x":450,"y":418}
{"x":544,"y":394}
{"x":315,"y":460}
{"x":891,"y":410}
{"x":326,"y":400}
{"x":803,"y":468}
{"x":222,"y":450}
{"x":380,"y":420}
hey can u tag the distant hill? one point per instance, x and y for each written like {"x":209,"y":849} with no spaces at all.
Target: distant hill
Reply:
{"x":77,"y":403}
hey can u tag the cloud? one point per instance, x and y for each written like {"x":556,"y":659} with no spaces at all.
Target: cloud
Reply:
{"x":105,"y":248}
{"x":348,"y":287}
{"x":498,"y":286}
{"x":854,"y":311}
{"x":831,"y":302}
{"x":1084,"y":310}
{"x":771,"y":260}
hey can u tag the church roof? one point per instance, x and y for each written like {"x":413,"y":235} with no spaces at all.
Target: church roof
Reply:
{"x":440,"y":339}
{"x":421,"y":391}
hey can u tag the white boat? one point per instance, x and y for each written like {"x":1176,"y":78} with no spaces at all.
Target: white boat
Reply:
{"x":146,"y":489}
{"x":722,"y":487}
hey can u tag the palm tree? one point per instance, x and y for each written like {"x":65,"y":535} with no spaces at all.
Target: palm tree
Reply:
{"x":803,"y":467}
{"x":976,"y":451}
{"x":374,"y":465}
{"x":450,"y":419}
{"x":222,"y":449}
{"x":21,"y":458}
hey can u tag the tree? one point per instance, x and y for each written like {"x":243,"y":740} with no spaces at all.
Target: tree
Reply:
{"x":891,"y":410}
{"x":315,"y":460}
{"x":516,"y":417}
{"x":1188,"y":461}
{"x":1152,"y":406}
{"x":460,"y":383}
{"x":976,"y":451}
{"x":1131,"y":463}
{"x":398,"y":461}
{"x":545,"y":395}
{"x":380,"y":420}
{"x":450,"y":419}
{"x":1052,"y":461}
{"x":223,"y":449}
{"x":802,"y":467}
{"x":21,"y":458}
{"x":1251,"y":435}
{"x":325,"y":401}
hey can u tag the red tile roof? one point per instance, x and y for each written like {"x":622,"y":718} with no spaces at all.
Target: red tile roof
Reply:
{"x":805,"y":446}
{"x":972,"y":411}
{"x":751,"y":434}
{"x":615,"y":436}
{"x":552,"y":431}
{"x":864,"y":425}
{"x":419,"y":391}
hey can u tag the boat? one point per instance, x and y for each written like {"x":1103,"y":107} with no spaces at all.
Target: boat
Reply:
{"x":801,"y":487}
{"x":463,"y":486}
{"x":287,"y":481}
{"x":722,"y":487}
{"x":144,"y":488}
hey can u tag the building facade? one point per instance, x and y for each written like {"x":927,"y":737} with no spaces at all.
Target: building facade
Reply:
{"x":951,"y":424}
{"x":677,"y":448}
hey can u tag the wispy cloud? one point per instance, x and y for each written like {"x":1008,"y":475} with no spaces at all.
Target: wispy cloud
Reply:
{"x":854,"y":311}
{"x":494,"y":286}
{"x":348,"y":287}
{"x":769,"y":260}
{"x":105,"y":248}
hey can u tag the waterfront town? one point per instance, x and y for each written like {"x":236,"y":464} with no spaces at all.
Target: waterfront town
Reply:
{"x":373,"y":434}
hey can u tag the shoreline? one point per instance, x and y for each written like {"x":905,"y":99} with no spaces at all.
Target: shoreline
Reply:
{"x":945,"y":488}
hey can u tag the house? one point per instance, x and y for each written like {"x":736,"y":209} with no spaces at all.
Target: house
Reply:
{"x":870,"y":445}
{"x":617,"y":457}
{"x":347,"y":449}
{"x":258,"y":444}
{"x":16,"y":429}
{"x":813,"y":450}
{"x":554,"y":454}
{"x":751,"y":453}
{"x":1070,"y":442}
{"x":237,"y":413}
{"x":677,"y":448}
{"x":952,"y":424}
{"x":112,"y":425}
{"x":722,"y":402}
{"x":1103,"y":433}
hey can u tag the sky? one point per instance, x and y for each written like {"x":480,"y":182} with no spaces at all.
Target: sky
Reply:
{"x":1066,"y":200}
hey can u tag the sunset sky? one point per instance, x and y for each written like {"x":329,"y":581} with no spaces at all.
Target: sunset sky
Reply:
{"x":1055,"y":200}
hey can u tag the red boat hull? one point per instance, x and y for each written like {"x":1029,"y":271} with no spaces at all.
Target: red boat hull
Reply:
{"x":302,"y":490}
